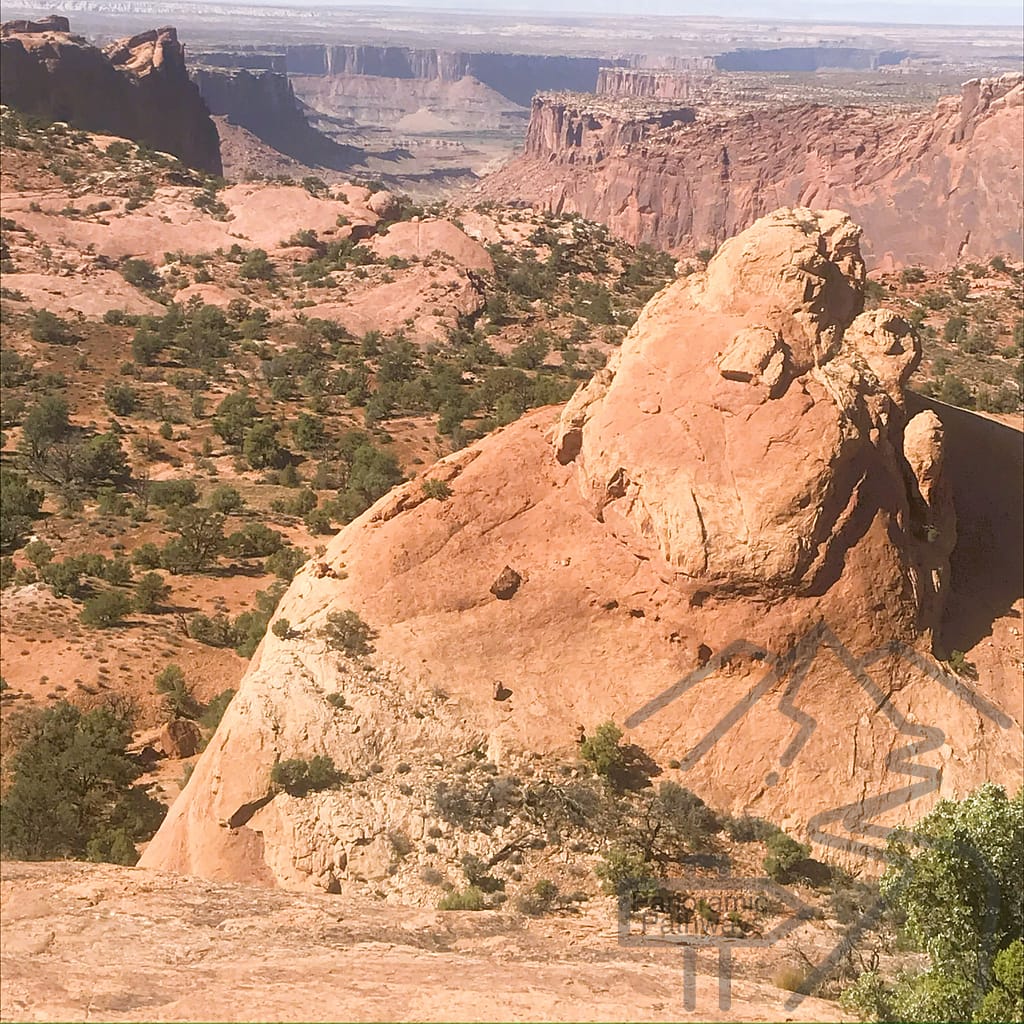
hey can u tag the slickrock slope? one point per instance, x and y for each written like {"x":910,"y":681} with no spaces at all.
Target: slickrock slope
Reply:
{"x":927,"y":188}
{"x":735,"y":539}
{"x":137,"y":88}
{"x":87,"y":941}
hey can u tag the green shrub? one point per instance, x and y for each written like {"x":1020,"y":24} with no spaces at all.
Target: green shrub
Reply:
{"x":106,"y":609}
{"x":282,"y":629}
{"x":783,"y":855}
{"x":214,"y":712}
{"x":121,"y":399}
{"x":621,"y":867}
{"x":178,"y":699}
{"x":469,"y":899}
{"x":172,"y":494}
{"x":20,"y":505}
{"x":345,"y":631}
{"x":539,"y":900}
{"x":603,"y":752}
{"x":50,"y":328}
{"x":150,"y":593}
{"x":299,"y":778}
{"x":285,"y":563}
{"x":254,"y":540}
{"x":439,"y":490}
{"x":225,"y":499}
{"x":72,"y":792}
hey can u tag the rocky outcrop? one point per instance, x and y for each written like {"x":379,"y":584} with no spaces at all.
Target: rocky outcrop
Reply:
{"x":137,"y":88}
{"x":927,"y":188}
{"x":735,"y":540}
{"x":687,"y":86}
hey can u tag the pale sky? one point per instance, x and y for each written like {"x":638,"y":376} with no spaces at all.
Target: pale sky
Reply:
{"x":942,"y":12}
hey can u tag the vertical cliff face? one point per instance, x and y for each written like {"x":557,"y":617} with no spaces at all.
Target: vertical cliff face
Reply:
{"x":643,"y":83}
{"x":927,"y":188}
{"x":137,"y":87}
{"x":516,"y":76}
{"x":264,"y":103}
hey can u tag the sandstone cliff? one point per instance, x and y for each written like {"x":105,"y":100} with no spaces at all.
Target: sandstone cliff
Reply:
{"x":736,"y":540}
{"x":927,"y":189}
{"x":516,"y":76}
{"x":654,"y":84}
{"x":137,"y":88}
{"x":264,"y":103}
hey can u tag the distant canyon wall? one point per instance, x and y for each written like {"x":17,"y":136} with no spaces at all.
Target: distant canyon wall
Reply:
{"x":927,"y":188}
{"x":264,"y":103}
{"x":515,"y":76}
{"x":809,"y":58}
{"x":137,"y":88}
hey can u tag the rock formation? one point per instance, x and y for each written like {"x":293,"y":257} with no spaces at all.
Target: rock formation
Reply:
{"x":687,"y":86}
{"x":735,"y":540}
{"x":264,"y":103}
{"x":137,"y":88}
{"x":927,"y":188}
{"x":516,"y":76}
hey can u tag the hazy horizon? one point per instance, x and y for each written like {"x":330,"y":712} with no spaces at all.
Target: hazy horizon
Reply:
{"x":994,"y":13}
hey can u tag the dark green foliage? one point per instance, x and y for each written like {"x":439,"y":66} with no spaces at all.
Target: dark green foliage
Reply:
{"x":177,"y":694}
{"x":140,"y":274}
{"x":214,"y":712}
{"x":260,"y":446}
{"x":234,"y":416}
{"x":150,"y":593}
{"x":469,"y":899}
{"x":439,"y":490}
{"x":214,"y":632}
{"x":45,"y":425}
{"x":299,"y":778}
{"x":146,"y":346}
{"x":147,"y":556}
{"x":345,"y":631}
{"x":748,"y":829}
{"x":622,"y":866}
{"x":254,"y":540}
{"x":956,"y":881}
{"x":63,"y":578}
{"x":256,"y":267}
{"x":308,"y":432}
{"x":285,"y":562}
{"x":106,"y":609}
{"x":72,"y":793}
{"x":603,"y":752}
{"x":540,"y":900}
{"x":200,"y":540}
{"x":20,"y":506}
{"x":172,"y":494}
{"x":225,"y":499}
{"x":50,"y":328}
{"x":783,"y":855}
{"x":121,"y":399}
{"x":249,"y":627}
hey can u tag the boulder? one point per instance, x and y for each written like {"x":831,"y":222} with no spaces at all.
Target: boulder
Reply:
{"x":180,"y":738}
